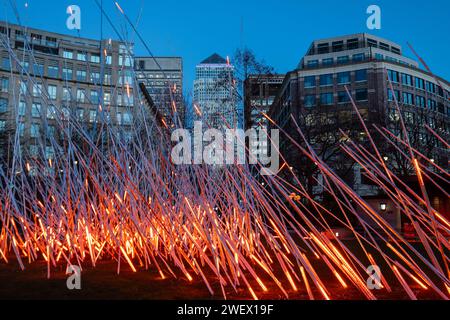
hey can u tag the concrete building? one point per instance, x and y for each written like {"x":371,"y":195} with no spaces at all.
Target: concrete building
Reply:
{"x":48,"y":78}
{"x":315,"y":94}
{"x":259,"y":94}
{"x":163,"y":78}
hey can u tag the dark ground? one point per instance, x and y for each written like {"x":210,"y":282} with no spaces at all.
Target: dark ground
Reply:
{"x":103,"y":283}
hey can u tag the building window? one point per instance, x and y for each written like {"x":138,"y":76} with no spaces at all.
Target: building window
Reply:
{"x":22,"y":108}
{"x":34,"y":150}
{"x":326,"y":99}
{"x":81,"y":75}
{"x":359,"y":57}
{"x":37,"y":90}
{"x":65,"y":113}
{"x":81,"y":95}
{"x":126,"y":77}
{"x":4,"y":84}
{"x":129,"y":100}
{"x":94,"y":96}
{"x":431,"y":104}
{"x":338,"y":46}
{"x":127,"y":118}
{"x":361,"y":75}
{"x":67,"y":74}
{"x":6,"y":64}
{"x":343,"y":77}
{"x":125,"y":61}
{"x":66,"y":94}
{"x":310,"y":82}
{"x":431,"y":87}
{"x":323,"y":48}
{"x":2,"y":125}
{"x":420,"y":84}
{"x":108,"y":79}
{"x":53,"y":71}
{"x":343,"y":97}
{"x":81,"y":56}
{"x":420,"y":101}
{"x":34,"y":130}
{"x":51,"y":112}
{"x":109,"y":60}
{"x":361,"y":95}
{"x":393,"y":76}
{"x":343,"y":59}
{"x":326,"y":80}
{"x":36,"y":110}
{"x":3,"y":105}
{"x":80,"y":114}
{"x":52,"y":92}
{"x":95,"y":77}
{"x":408,"y":98}
{"x":49,"y":152}
{"x":328,"y":62}
{"x":352,"y":44}
{"x":313,"y":63}
{"x":23,"y":87}
{"x":391,"y":96}
{"x":407,"y":80}
{"x":67,"y":54}
{"x":310,"y":101}
{"x":107,"y":98}
{"x":51,"y":131}
{"x":95,"y":58}
{"x":21,"y":129}
{"x":38,"y":69}
{"x":92,"y":116}
{"x":51,"y":42}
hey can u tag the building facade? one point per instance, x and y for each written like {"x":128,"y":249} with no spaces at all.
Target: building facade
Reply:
{"x":315,"y":94}
{"x":214,"y":94}
{"x":48,"y":79}
{"x":163,"y":78}
{"x":259,"y":94}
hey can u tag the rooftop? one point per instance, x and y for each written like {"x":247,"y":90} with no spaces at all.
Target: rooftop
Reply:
{"x":214,"y":59}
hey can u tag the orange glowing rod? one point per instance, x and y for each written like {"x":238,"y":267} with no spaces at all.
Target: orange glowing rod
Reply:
{"x":128,"y":202}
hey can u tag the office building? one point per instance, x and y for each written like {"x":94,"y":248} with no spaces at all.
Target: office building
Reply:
{"x":48,"y":79}
{"x":315,"y":95}
{"x":163,"y":78}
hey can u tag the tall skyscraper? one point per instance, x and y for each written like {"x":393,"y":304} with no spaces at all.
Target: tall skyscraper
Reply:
{"x":214,"y":94}
{"x":163,"y":78}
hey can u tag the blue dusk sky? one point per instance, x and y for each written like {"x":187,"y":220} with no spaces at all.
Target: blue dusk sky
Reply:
{"x":279,"y":32}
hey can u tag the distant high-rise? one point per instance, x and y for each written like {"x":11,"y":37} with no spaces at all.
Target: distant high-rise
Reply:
{"x":214,"y":94}
{"x":163,"y":78}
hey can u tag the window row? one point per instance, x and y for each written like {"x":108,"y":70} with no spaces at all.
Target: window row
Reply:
{"x":418,"y":83}
{"x":341,"y":78}
{"x":329,"y":99}
{"x":411,"y":99}
{"x":338,"y":60}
